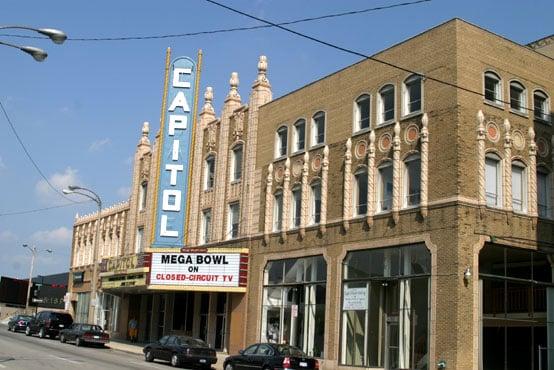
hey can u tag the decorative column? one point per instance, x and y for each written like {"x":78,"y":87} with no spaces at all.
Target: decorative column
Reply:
{"x":507,"y":166}
{"x":286,"y":197}
{"x":424,"y":189}
{"x":532,"y":206}
{"x":305,"y":198}
{"x":324,"y":184}
{"x":347,"y":194}
{"x":396,"y":173}
{"x":371,"y":179}
{"x":481,"y":157}
{"x":268,"y":202}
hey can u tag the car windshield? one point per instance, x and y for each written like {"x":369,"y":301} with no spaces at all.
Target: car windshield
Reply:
{"x":23,"y":317}
{"x":191,"y":342}
{"x":287,"y":350}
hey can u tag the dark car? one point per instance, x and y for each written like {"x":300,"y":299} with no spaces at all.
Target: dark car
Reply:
{"x":19,"y":322}
{"x":84,"y":334}
{"x":270,"y":356}
{"x":180,"y":351}
{"x":48,"y":323}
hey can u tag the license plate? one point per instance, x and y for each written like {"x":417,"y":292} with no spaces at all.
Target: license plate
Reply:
{"x":61,"y":325}
{"x":303,"y":364}
{"x":202,"y":360}
{"x":96,"y":337}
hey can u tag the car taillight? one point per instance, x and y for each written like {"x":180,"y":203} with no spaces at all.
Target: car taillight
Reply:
{"x":88,"y":335}
{"x":286,"y":363}
{"x":316,"y":364}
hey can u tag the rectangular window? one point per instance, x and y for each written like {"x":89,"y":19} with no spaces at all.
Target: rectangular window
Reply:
{"x":386,"y":104}
{"x":209,"y":173}
{"x":492,"y":88}
{"x":384,"y":202}
{"x":281,"y":142}
{"x":278,"y":212}
{"x":82,"y":307}
{"x":412,"y":182}
{"x":142,"y":195}
{"x":318,"y":128}
{"x":517,"y":97}
{"x":360,"y":193}
{"x":315,"y":204}
{"x":519,"y":189}
{"x":362,"y":112}
{"x":233,"y":221}
{"x":543,"y":194}
{"x":296,"y":210}
{"x":237,"y":164}
{"x":139,"y":239}
{"x":412,"y":95}
{"x":492,"y":182}
{"x":299,"y":135}
{"x":540,"y":105}
{"x":206,"y":226}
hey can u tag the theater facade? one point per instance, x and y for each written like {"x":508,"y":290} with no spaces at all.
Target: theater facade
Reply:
{"x":380,"y":217}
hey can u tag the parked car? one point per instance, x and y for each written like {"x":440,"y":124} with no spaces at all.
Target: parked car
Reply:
{"x":270,"y":356}
{"x":48,"y":323}
{"x":18,"y":322}
{"x":83,"y":334}
{"x":181,"y":351}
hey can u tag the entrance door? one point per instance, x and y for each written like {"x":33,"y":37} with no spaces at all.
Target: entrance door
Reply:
{"x":220,"y":321}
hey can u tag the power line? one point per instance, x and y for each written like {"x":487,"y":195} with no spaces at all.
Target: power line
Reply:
{"x":29,"y":154}
{"x":353,"y":52}
{"x":41,"y":209}
{"x":225,"y":30}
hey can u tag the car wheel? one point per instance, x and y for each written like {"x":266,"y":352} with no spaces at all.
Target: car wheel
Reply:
{"x":27,"y":331}
{"x":229,"y":367}
{"x":175,"y":360}
{"x":62,"y":338}
{"x":78,"y":342}
{"x":42,"y":333}
{"x":148,"y":356}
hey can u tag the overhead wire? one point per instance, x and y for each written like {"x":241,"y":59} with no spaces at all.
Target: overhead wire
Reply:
{"x":24,"y":212}
{"x":225,"y":30}
{"x":353,"y":52}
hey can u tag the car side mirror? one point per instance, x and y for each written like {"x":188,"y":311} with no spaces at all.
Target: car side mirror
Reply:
{"x":241,"y":352}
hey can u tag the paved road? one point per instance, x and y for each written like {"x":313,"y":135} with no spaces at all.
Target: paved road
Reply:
{"x":18,"y":351}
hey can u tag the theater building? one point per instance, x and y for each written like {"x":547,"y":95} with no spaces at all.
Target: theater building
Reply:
{"x":380,"y":217}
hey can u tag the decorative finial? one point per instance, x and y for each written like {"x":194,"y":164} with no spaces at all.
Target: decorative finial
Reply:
{"x":480,"y":117}
{"x":262,"y":69}
{"x":348,"y":144}
{"x":270,"y":168}
{"x":306,"y":157}
{"x":507,"y":125}
{"x":208,"y":99}
{"x":145,"y":131}
{"x":425,"y":120}
{"x":372,"y":136}
{"x":326,"y":151}
{"x":397,"y":128}
{"x":531,"y":134}
{"x":234,"y":82}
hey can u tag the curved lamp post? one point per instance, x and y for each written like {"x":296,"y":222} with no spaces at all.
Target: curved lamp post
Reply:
{"x":34,"y":252}
{"x":57,"y":37}
{"x":72,"y":189}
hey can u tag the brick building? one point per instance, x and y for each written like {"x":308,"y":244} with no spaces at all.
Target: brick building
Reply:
{"x":391,"y":219}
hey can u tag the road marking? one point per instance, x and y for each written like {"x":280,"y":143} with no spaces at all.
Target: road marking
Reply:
{"x":144,"y":364}
{"x":2,"y":366}
{"x":66,"y":359}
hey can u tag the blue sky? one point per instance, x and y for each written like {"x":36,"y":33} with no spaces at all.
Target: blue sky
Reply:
{"x":80,"y":112}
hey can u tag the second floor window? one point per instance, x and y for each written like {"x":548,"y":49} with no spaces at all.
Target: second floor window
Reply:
{"x":236,"y":163}
{"x":541,"y":107}
{"x":543,"y":194}
{"x":519,"y":187}
{"x":299,"y":135}
{"x":205,"y":236}
{"x":412,"y":181}
{"x":281,"y":142}
{"x":138,"y":239}
{"x":386,"y":104}
{"x":493,"y":181}
{"x":318,"y":128}
{"x":296,"y":209}
{"x":209,"y":172}
{"x":493,"y":88}
{"x":361,"y":112}
{"x":412,"y":94}
{"x":517,"y":97}
{"x":384,"y":188}
{"x":360,"y":193}
{"x":142,"y":195}
{"x":278,"y":211}
{"x":233,"y":221}
{"x":315,"y":203}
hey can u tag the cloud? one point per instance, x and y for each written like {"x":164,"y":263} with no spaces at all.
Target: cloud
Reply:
{"x":59,"y":181}
{"x":98,"y":145}
{"x":60,"y":237}
{"x":124,"y":192}
{"x":7,"y":236}
{"x":2,"y":164}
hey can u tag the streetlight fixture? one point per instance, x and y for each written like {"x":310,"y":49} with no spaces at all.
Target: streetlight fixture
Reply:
{"x":34,"y":252}
{"x":57,"y":37}
{"x":73,"y":189}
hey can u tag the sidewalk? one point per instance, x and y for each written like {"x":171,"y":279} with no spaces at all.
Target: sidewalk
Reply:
{"x":136,"y":348}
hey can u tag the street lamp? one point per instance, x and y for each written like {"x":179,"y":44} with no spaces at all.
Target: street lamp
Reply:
{"x":73,"y":189}
{"x":34,"y":252}
{"x":57,"y":37}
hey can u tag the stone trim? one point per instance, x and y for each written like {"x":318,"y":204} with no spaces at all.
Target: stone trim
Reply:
{"x":424,"y":140}
{"x":347,"y":191}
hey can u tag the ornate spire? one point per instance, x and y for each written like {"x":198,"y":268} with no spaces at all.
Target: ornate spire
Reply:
{"x":208,"y":99}
{"x":262,"y":72}
{"x":234,"y":83}
{"x":145,"y":131}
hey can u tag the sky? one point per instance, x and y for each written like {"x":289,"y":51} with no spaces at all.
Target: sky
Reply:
{"x":80,"y":112}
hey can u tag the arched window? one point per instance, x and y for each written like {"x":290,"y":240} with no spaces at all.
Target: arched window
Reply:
{"x":296,"y":206}
{"x":412,"y":95}
{"x":281,"y":142}
{"x":384,"y":187}
{"x":318,"y":129}
{"x":142,"y":195}
{"x":493,"y":87}
{"x":278,"y":211}
{"x":233,"y":220}
{"x":412,"y":181}
{"x":299,"y":139}
{"x":518,"y":97}
{"x":385,"y":104}
{"x":360,"y":192}
{"x":236,"y":163}
{"x":315,"y":203}
{"x":493,"y":180}
{"x":519,"y":187}
{"x":544,"y":205}
{"x":209,"y":172}
{"x":541,"y":106}
{"x":361,"y":112}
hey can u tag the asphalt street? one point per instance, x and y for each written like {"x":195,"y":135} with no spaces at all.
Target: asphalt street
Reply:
{"x":18,"y":351}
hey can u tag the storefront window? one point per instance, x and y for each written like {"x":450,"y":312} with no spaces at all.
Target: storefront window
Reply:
{"x":517,"y":308}
{"x":110,"y":311}
{"x":385,"y":308}
{"x":294,"y":303}
{"x":81,"y":311}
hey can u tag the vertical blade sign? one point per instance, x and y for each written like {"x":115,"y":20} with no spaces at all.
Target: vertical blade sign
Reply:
{"x":175,"y":156}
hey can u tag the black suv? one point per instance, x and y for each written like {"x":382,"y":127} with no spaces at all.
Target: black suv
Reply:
{"x":48,"y":323}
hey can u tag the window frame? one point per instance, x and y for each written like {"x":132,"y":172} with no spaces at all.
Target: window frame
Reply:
{"x":524,"y":185}
{"x":522,"y":99}
{"x":380,"y":191}
{"x":139,"y":239}
{"x":406,"y":181}
{"x":498,"y":94}
{"x":295,"y":142}
{"x":296,"y":207}
{"x":206,"y":231}
{"x":357,"y":120}
{"x":406,"y":99}
{"x":362,"y":171}
{"x":381,"y":104}
{"x":314,"y":135}
{"x":230,"y":225}
{"x":314,"y":216}
{"x":279,"y":142}
{"x":209,"y":181}
{"x":548,"y":193}
{"x":492,"y":156}
{"x":277,"y":221}
{"x":236,"y":171}
{"x":546,"y":115}
{"x":143,"y":193}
